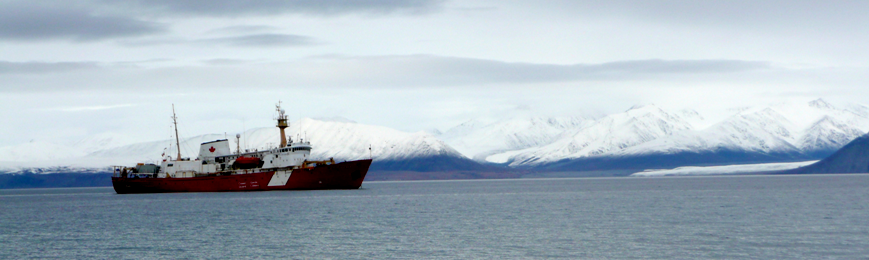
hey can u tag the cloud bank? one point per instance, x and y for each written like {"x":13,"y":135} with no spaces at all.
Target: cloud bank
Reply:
{"x":113,"y":19}
{"x":18,"y":68}
{"x":409,"y":71}
{"x":262,"y":40}
{"x":26,"y":21}
{"x":273,"y":7}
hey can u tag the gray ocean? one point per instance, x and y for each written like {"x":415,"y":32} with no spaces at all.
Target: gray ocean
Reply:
{"x":729,"y":217}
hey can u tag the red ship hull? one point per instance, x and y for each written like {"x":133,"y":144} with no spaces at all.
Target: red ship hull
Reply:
{"x":345,"y":175}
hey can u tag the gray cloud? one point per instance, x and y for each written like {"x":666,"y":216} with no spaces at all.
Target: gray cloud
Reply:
{"x":7,"y":67}
{"x":271,"y":7}
{"x":249,"y":40}
{"x":226,"y":62}
{"x":262,"y":40}
{"x":365,"y":72}
{"x":31,"y":22}
{"x":451,"y":70}
{"x":242,"y":29}
{"x":658,"y":66}
{"x":152,"y":41}
{"x":778,"y":15}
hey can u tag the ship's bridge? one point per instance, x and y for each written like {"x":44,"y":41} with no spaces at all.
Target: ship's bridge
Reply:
{"x":295,"y":154}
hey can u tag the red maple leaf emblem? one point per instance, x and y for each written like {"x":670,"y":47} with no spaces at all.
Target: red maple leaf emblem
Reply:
{"x":212,"y":149}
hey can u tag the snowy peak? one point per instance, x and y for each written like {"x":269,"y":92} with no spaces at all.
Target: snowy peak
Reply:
{"x":350,"y":141}
{"x":102,"y":141}
{"x":795,"y":128}
{"x":476,"y":139}
{"x":640,"y":106}
{"x":631,"y":128}
{"x":765,"y":131}
{"x":433,"y":131}
{"x":803,"y":115}
{"x":604,"y":136}
{"x":690,"y":114}
{"x":419,"y":144}
{"x":464,"y":128}
{"x":828,"y":134}
{"x":821,"y":104}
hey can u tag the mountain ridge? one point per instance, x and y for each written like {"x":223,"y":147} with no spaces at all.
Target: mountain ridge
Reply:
{"x":642,"y":136}
{"x":786,"y":131}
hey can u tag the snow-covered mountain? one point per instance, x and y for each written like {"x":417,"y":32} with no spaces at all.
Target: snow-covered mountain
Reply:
{"x":642,"y":136}
{"x":606,"y":135}
{"x":57,"y":156}
{"x":348,"y":140}
{"x":781,"y":131}
{"x":478,"y":140}
{"x":38,"y":150}
{"x":805,"y":128}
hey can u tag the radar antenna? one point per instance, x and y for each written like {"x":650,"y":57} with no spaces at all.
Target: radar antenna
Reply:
{"x":238,"y":143}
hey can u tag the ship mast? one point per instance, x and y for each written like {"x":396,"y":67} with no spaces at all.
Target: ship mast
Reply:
{"x":282,"y":123}
{"x":177,"y":143}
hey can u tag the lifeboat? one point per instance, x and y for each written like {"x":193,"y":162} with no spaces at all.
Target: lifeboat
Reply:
{"x":247,"y":162}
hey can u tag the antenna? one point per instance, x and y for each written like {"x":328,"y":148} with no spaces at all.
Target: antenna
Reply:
{"x":244,"y":131}
{"x":238,"y":143}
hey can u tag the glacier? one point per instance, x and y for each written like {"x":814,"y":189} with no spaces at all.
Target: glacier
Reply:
{"x":722,"y":170}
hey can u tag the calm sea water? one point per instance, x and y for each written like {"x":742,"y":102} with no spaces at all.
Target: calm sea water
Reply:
{"x":760,"y":217}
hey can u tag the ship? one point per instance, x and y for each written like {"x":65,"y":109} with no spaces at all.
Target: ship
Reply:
{"x":217,"y":169}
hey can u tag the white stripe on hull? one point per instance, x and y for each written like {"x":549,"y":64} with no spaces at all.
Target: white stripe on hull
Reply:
{"x":280,"y":178}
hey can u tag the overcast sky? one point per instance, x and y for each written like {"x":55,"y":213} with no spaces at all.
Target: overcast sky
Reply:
{"x":70,"y":69}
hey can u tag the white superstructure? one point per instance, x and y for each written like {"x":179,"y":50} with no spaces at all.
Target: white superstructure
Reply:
{"x":216,"y":158}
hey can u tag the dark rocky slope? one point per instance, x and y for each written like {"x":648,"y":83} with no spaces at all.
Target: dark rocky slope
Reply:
{"x":852,"y":158}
